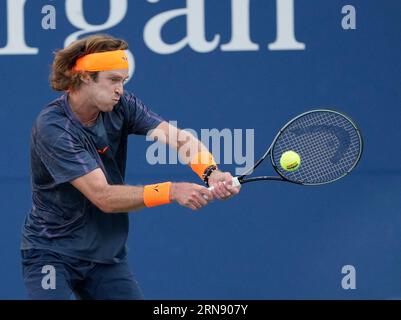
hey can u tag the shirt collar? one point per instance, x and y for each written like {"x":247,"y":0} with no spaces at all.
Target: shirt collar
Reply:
{"x":68,"y":111}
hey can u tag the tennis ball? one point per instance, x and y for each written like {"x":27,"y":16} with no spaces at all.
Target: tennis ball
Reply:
{"x":290,"y":160}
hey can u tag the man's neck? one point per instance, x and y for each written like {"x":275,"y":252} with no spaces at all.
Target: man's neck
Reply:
{"x":83,"y":109}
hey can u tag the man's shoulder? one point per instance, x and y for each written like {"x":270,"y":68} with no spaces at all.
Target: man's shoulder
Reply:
{"x":128,"y":94}
{"x":130,"y":102}
{"x":126,"y":105}
{"x":128,"y":97}
{"x":53,"y":110}
{"x":51,"y":117}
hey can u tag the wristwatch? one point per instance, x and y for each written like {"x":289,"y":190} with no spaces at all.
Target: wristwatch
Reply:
{"x":207,"y":173}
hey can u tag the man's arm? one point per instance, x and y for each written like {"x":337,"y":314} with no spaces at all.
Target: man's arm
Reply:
{"x":109,"y":198}
{"x":124,"y":198}
{"x":182,"y":141}
{"x":187,"y":147}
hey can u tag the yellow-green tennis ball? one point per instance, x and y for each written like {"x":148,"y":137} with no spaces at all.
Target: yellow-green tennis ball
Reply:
{"x":290,"y":160}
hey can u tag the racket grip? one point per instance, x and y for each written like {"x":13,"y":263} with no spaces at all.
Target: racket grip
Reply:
{"x":235,"y":183}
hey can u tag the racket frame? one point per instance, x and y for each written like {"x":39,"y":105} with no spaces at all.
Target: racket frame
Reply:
{"x":242,"y":178}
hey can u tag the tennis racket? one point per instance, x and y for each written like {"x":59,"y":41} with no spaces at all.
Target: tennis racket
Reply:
{"x":328,"y":143}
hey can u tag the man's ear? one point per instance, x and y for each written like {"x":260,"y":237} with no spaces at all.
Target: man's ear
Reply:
{"x":85,"y":78}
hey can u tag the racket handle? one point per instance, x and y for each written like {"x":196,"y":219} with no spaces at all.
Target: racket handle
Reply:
{"x":235,"y":183}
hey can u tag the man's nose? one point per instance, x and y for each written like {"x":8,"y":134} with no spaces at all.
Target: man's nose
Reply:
{"x":119,"y":90}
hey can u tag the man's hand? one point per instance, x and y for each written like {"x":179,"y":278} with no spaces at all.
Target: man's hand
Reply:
{"x":190,"y":195}
{"x":222,"y":185}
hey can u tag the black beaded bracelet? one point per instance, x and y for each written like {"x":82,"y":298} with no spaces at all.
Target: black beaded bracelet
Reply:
{"x":208,"y":172}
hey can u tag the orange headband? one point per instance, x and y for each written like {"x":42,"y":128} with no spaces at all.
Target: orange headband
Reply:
{"x":102,"y":61}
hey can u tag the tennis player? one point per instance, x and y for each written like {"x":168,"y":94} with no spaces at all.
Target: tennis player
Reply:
{"x":74,"y":238}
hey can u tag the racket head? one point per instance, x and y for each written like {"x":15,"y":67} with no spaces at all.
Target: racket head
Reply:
{"x":329,"y":143}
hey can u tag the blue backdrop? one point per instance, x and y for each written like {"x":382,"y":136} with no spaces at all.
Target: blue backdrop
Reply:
{"x":274,"y":240}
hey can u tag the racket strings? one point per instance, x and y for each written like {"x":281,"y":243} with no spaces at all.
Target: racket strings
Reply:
{"x":328,"y":143}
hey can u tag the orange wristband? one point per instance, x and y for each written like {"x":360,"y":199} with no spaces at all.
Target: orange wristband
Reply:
{"x":201,"y":161}
{"x":156,"y":194}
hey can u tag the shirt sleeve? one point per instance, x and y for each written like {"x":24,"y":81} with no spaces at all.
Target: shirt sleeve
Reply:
{"x":62,"y":154}
{"x":140,"y":118}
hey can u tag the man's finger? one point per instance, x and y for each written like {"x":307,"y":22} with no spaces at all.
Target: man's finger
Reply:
{"x":219,"y":190}
{"x":207,"y":194}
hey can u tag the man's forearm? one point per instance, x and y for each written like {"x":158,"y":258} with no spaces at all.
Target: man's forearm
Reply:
{"x":122,"y":198}
{"x":186,"y":144}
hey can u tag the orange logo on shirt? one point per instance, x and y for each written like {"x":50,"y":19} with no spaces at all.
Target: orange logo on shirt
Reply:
{"x":101,"y":151}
